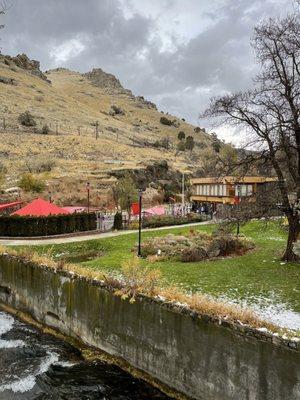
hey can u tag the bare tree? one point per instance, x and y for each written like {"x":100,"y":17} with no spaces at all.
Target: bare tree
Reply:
{"x":233,"y":217}
{"x":270,"y":113}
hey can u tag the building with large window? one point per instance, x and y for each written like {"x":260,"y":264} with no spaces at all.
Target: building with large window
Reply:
{"x":228,"y":189}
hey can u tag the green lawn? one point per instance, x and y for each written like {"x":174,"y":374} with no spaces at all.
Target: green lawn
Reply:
{"x":256,"y":277}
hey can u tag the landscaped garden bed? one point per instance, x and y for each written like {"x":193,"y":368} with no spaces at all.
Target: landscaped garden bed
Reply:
{"x":195,"y":246}
{"x":168,"y":220}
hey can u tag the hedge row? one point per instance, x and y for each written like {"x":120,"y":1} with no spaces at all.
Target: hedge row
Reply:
{"x":18,"y":226}
{"x":168,"y":220}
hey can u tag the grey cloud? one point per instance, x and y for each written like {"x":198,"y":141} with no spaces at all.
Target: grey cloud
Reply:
{"x":215,"y":59}
{"x":37,"y":26}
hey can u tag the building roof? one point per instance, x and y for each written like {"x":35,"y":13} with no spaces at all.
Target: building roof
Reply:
{"x":157,"y":210}
{"x":75,"y":209}
{"x":5,"y":206}
{"x":39,"y":208}
{"x":233,"y":180}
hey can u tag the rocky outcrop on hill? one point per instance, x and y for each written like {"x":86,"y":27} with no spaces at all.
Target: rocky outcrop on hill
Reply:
{"x":106,"y":81}
{"x":141,"y":103}
{"x":112,"y":85}
{"x":24,"y":62}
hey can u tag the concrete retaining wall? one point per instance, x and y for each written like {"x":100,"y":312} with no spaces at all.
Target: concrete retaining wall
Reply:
{"x":192,"y":354}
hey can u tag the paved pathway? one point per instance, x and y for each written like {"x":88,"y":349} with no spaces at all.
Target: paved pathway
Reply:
{"x":36,"y":242}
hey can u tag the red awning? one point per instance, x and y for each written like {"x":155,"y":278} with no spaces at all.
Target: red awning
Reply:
{"x":9,"y":205}
{"x":135,"y":209}
{"x":39,"y":208}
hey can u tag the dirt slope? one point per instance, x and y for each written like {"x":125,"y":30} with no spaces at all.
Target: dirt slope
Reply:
{"x":76,"y":107}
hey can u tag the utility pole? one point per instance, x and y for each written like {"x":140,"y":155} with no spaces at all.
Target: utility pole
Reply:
{"x":182,"y":195}
{"x":238,"y":209}
{"x":140,"y":222}
{"x":97,"y":129}
{"x":88,"y":196}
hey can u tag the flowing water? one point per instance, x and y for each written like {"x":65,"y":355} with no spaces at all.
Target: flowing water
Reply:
{"x":36,"y":366}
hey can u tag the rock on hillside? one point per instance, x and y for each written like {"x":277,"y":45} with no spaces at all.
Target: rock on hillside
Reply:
{"x":106,"y":81}
{"x":22,"y":61}
{"x":113,"y":86}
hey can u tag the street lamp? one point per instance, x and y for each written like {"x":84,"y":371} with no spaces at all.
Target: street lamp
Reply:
{"x":182,"y":196}
{"x":140,"y":222}
{"x":88,"y":196}
{"x":239,"y":194}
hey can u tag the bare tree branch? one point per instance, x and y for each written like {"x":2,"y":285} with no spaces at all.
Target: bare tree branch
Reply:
{"x":270,"y":113}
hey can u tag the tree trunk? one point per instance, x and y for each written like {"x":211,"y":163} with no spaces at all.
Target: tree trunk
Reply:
{"x":294,"y":229}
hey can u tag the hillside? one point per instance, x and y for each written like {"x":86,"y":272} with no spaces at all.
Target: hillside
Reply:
{"x":77,"y":108}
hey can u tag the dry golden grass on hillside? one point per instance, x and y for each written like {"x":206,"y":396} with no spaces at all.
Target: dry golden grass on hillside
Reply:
{"x":70,"y":106}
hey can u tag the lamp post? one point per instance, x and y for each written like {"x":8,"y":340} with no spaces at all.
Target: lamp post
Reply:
{"x":140,"y":222}
{"x":238,"y":209}
{"x":182,"y":196}
{"x":88,"y":196}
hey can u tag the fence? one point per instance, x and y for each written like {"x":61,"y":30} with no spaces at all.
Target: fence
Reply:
{"x":135,"y":137}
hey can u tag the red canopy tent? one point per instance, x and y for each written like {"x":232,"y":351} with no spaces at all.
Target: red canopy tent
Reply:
{"x":40,"y":208}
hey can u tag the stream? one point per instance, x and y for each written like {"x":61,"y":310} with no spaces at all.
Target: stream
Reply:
{"x":34,"y":365}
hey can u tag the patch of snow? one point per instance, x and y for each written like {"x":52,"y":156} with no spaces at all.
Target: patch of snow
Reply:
{"x":269,"y":309}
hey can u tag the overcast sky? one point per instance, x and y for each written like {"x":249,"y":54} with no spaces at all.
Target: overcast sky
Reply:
{"x":177,"y":53}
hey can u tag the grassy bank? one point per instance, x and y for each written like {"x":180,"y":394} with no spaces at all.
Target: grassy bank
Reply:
{"x":258,"y":276}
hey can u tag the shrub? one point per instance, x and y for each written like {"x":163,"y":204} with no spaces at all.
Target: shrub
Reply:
{"x":169,"y":220}
{"x":116,"y":110}
{"x":194,"y":246}
{"x":26,"y":119}
{"x":181,"y":146}
{"x":22,"y":226}
{"x":166,"y":121}
{"x":189,"y":143}
{"x":193,"y":254}
{"x":38,"y":165}
{"x":45,"y":130}
{"x":197,"y":129}
{"x":181,"y":135}
{"x":3,"y":168}
{"x":216,"y":146}
{"x":216,"y":143}
{"x":164,"y":143}
{"x":138,"y":279}
{"x":118,"y":221}
{"x":29,"y":183}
